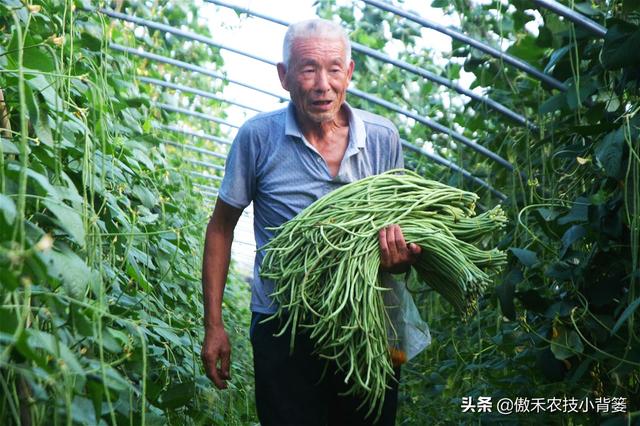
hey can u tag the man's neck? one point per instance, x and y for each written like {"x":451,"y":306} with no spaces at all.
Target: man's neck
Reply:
{"x":321,"y":133}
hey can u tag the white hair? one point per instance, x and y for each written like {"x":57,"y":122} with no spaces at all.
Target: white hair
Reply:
{"x":314,"y":28}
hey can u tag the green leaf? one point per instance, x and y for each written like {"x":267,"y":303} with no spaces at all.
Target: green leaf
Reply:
{"x":620,"y":48}
{"x":585,"y":8}
{"x":552,"y":368}
{"x":577,"y":97}
{"x":554,"y":103}
{"x":70,"y":269}
{"x":109,"y":341}
{"x":147,"y":198}
{"x":177,"y":395}
{"x":83,"y":411}
{"x":42,"y":128}
{"x":37,"y":339}
{"x":143,"y":158}
{"x":506,"y":292}
{"x":548,"y":214}
{"x":41,"y":180}
{"x":114,"y":380}
{"x":8,"y":319}
{"x":625,"y":315}
{"x":579,"y":212}
{"x":38,"y":59}
{"x":609,"y":151}
{"x":9,"y":147}
{"x":137,"y":102}
{"x":526,"y":48}
{"x":135,"y":272}
{"x":68,"y":219}
{"x":572,"y":235}
{"x":566,"y":344}
{"x":439,"y":3}
{"x":580,"y":371}
{"x":169,"y":335}
{"x":527,"y":257}
{"x":556,"y":56}
{"x":8,"y":208}
{"x":560,"y":271}
{"x":46,"y":88}
{"x":32,"y":104}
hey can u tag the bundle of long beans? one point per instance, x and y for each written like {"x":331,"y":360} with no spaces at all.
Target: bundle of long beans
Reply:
{"x":326,"y":261}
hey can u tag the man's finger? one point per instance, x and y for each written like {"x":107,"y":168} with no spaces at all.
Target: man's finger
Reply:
{"x":384,"y":247}
{"x":400,"y":244}
{"x":212,"y":371}
{"x":392,"y":243}
{"x":225,"y":362}
{"x":415,"y":249}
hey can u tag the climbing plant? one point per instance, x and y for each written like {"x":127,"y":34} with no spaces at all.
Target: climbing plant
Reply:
{"x":100,"y":233}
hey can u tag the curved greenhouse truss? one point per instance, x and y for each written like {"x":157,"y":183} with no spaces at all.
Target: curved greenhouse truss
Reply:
{"x":114,"y":138}
{"x":436,"y":127}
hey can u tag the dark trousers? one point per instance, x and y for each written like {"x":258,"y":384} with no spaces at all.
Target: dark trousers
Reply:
{"x":291,"y":389}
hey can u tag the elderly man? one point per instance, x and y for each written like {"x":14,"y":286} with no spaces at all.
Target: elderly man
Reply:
{"x":283,"y":161}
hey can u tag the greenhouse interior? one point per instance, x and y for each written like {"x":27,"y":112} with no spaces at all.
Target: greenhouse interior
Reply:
{"x":517,"y":275}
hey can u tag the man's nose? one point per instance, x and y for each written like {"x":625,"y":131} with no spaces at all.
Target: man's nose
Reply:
{"x":322,"y":81}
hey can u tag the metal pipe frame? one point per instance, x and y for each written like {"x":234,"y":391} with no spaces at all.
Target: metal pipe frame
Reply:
{"x":203,"y":176}
{"x":367,"y":97}
{"x":194,"y":91}
{"x":506,"y":57}
{"x":194,"y":114}
{"x":210,"y":194}
{"x":438,"y":159}
{"x":173,"y":30}
{"x":518,"y":118}
{"x":192,"y":134}
{"x":193,"y":148}
{"x":573,"y":16}
{"x":203,"y":164}
{"x":436,"y":126}
{"x":432,"y":156}
{"x":190,"y":67}
{"x":406,"y":144}
{"x":205,"y":187}
{"x":432,"y":124}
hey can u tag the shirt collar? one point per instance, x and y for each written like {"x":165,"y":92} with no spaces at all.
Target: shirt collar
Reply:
{"x":357,"y":132}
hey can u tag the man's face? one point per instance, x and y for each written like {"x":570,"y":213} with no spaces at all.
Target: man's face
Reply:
{"x":317,"y":77}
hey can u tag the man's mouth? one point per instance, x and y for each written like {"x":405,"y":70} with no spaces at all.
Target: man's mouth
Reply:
{"x":321,"y":103}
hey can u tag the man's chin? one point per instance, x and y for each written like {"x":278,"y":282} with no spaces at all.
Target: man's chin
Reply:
{"x":322,"y":118}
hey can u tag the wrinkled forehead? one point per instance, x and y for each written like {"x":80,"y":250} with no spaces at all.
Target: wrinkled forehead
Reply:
{"x":326,"y":47}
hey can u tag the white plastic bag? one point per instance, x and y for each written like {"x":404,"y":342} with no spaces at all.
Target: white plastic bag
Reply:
{"x":406,"y":331}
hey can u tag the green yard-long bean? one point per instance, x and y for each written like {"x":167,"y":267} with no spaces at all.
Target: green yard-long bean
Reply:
{"x":326,"y":266}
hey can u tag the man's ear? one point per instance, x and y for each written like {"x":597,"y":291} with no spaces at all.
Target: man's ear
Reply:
{"x":352,"y":66}
{"x":282,"y":74}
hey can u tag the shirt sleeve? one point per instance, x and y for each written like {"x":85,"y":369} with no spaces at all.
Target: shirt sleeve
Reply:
{"x":239,"y":182}
{"x":396,"y":156}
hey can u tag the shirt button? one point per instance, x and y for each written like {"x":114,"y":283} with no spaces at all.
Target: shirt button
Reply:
{"x":319,"y":159}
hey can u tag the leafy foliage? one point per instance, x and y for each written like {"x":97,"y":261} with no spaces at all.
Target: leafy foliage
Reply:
{"x":100,"y":235}
{"x":563,"y":319}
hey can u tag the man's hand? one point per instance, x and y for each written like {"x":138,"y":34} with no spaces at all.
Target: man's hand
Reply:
{"x":396,"y":256}
{"x":216,"y":349}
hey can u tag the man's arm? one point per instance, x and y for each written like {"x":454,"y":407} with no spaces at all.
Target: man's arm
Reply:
{"x":215,"y":266}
